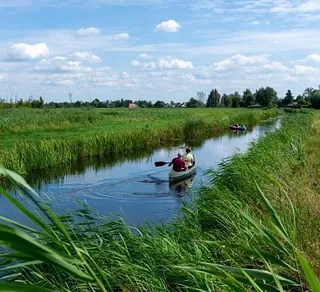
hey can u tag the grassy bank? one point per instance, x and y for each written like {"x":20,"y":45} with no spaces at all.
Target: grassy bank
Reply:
{"x":30,"y":139}
{"x":246,"y":232}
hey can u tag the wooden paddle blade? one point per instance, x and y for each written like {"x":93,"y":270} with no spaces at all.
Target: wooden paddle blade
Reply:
{"x":160,"y":163}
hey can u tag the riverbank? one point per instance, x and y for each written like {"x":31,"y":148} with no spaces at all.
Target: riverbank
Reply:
{"x":33,"y":139}
{"x":245,"y":219}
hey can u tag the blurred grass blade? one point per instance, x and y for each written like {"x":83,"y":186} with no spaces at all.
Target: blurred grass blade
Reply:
{"x":253,"y":283}
{"x":15,"y":287}
{"x":17,"y":179}
{"x":309,"y":273}
{"x":271,"y":210}
{"x":238,"y":276}
{"x":17,"y":240}
{"x":20,"y":265}
{"x":265,"y":255}
{"x":256,"y":274}
{"x":17,"y":224}
{"x":276,"y":280}
{"x":264,"y":231}
{"x":23,"y":209}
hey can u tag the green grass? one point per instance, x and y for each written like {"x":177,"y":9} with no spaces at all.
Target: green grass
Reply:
{"x":242,"y":233}
{"x":32,"y":139}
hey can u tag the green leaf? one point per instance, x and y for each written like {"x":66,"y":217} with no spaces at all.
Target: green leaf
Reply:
{"x":265,"y":232}
{"x":254,"y":273}
{"x":15,"y":287}
{"x":309,"y":273}
{"x":20,"y":265}
{"x":265,"y":256}
{"x":18,"y":224}
{"x":17,"y":240}
{"x":271,"y":210}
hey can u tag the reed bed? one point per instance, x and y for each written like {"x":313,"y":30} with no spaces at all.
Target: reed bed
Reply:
{"x":32,"y":139}
{"x":242,"y":233}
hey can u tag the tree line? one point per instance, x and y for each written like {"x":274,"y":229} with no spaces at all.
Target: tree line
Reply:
{"x":263,"y":97}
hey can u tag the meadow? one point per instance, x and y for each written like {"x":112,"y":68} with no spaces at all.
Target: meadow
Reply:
{"x":255,"y":228}
{"x":38,"y":138}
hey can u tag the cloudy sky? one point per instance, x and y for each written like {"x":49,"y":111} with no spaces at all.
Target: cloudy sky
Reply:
{"x":156,"y":49}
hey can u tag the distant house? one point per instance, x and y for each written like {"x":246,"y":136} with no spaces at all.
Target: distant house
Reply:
{"x":132,"y":106}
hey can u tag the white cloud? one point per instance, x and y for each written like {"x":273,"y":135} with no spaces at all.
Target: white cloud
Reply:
{"x":61,"y":65}
{"x":87,"y":32}
{"x":86,"y":57}
{"x":60,"y":58}
{"x":3,"y":76}
{"x":166,"y":63}
{"x":145,"y":56}
{"x":22,"y":51}
{"x":310,"y":6}
{"x":314,"y":57}
{"x":121,"y":36}
{"x":250,"y":64}
{"x":257,"y":22}
{"x":168,"y":26}
{"x":174,"y":64}
{"x":304,"y":70}
{"x":54,"y":81}
{"x":289,"y":41}
{"x":135,"y":63}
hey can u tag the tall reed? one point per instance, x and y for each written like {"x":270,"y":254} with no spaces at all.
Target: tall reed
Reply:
{"x":240,"y":234}
{"x":44,"y":147}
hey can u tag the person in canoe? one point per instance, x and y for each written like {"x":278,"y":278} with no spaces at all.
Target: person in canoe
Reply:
{"x":189,"y":158}
{"x":178,"y":163}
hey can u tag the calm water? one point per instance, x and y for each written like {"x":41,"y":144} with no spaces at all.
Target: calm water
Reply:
{"x":135,"y":188}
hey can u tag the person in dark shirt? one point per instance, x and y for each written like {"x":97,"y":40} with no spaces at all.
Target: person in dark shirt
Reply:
{"x":178,"y":163}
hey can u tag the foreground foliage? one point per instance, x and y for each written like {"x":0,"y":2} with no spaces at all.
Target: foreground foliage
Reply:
{"x":243,"y":233}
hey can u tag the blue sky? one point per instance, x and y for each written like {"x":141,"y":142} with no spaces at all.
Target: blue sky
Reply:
{"x":156,"y":49}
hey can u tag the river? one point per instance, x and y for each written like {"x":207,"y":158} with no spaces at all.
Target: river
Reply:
{"x":135,"y":189}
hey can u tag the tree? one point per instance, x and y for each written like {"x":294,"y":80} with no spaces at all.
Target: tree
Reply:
{"x":41,"y":102}
{"x":20,"y":103}
{"x":95,"y":102}
{"x":193,"y":103}
{"x":288,"y":98}
{"x":78,"y":103}
{"x":315,"y":99}
{"x":308,"y":92}
{"x":210,"y":100}
{"x":300,"y":100}
{"x":248,"y":97}
{"x":201,"y":97}
{"x":235,"y":99}
{"x":213,"y":99}
{"x":159,"y":104}
{"x":225,"y":100}
{"x":266,"y":96}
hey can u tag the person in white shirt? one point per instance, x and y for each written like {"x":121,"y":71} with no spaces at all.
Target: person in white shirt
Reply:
{"x":189,"y":158}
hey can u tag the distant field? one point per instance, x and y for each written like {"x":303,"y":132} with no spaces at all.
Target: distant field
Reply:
{"x":42,"y":137}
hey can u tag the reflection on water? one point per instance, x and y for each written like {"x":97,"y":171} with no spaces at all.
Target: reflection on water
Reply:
{"x":183,"y":186}
{"x":133,"y":187}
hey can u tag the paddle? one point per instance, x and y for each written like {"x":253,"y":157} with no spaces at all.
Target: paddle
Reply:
{"x":160,"y":163}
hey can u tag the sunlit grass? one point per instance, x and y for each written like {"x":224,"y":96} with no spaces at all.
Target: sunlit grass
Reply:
{"x":242,"y":233}
{"x":31,"y":139}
